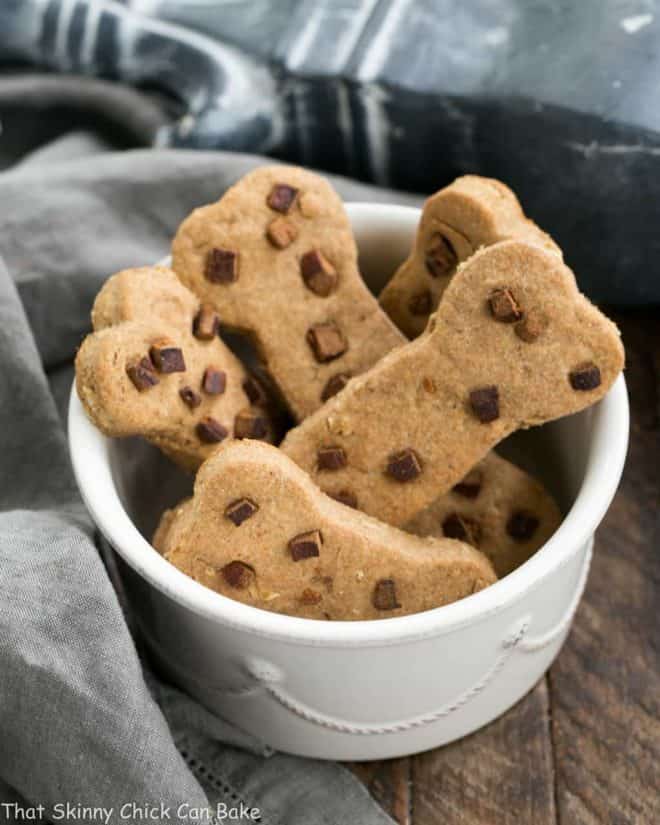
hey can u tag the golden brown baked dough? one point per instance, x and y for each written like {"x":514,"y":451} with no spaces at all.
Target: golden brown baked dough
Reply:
{"x":498,"y":508}
{"x":155,"y":367}
{"x":457,"y":221}
{"x":259,"y":531}
{"x":513,"y":344}
{"x":277,"y":258}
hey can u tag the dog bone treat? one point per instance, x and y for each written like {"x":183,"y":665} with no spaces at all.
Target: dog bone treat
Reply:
{"x":258,"y":530}
{"x":469,"y":213}
{"x":155,"y":367}
{"x":277,"y":259}
{"x":412,"y":427}
{"x":496,"y":507}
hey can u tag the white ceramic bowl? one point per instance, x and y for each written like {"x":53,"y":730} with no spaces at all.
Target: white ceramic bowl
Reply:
{"x":360,"y":690}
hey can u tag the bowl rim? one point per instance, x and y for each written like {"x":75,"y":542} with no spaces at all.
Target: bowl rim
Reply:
{"x":89,"y":451}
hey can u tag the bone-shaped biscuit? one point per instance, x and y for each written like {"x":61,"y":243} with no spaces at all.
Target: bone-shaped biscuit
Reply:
{"x":498,"y":508}
{"x":469,"y":213}
{"x":277,"y":258}
{"x":155,"y":367}
{"x":258,"y":530}
{"x":513,"y":344}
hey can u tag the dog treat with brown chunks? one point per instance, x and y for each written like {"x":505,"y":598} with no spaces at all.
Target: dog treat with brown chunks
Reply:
{"x":155,"y":367}
{"x":497,"y":508}
{"x":469,"y":213}
{"x":277,"y":259}
{"x":258,"y":530}
{"x":512,"y":344}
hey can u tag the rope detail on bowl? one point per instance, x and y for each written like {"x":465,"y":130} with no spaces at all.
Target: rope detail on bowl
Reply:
{"x":515,"y":641}
{"x":309,"y":715}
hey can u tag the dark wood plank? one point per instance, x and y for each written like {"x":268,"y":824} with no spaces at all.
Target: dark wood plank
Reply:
{"x":389,"y":783}
{"x":502,"y":775}
{"x":605,"y":685}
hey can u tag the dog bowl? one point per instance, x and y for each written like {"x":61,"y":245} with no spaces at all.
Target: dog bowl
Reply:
{"x":369,"y":689}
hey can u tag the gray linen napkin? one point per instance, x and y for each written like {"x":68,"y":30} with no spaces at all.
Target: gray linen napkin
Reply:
{"x":82,"y":720}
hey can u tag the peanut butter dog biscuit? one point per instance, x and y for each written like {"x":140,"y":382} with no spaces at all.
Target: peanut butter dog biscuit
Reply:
{"x":498,"y":508}
{"x":512,"y":344}
{"x":469,"y":213}
{"x":259,"y":531}
{"x":277,"y":259}
{"x":155,"y":367}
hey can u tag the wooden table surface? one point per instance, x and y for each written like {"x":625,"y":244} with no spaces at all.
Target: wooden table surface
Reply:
{"x":584,"y":746}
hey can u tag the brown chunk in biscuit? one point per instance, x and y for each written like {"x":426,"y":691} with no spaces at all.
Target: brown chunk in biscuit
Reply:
{"x":189,"y":397}
{"x":281,"y":232}
{"x":306,"y":545}
{"x":318,"y":273}
{"x":420,"y":303}
{"x":142,"y":374}
{"x":211,"y":431}
{"x":282,"y":197}
{"x":309,"y":596}
{"x":344,"y":497}
{"x":250,"y":424}
{"x":585,"y":377}
{"x":470,"y":486}
{"x":335,"y":384}
{"x":254,"y":391}
{"x":214,"y":381}
{"x":404,"y":465}
{"x":165,"y":357}
{"x":221,"y":266}
{"x":206,"y":323}
{"x":485,"y":403}
{"x":238,"y":574}
{"x":504,"y":307}
{"x":522,"y":525}
{"x":240,"y":510}
{"x":533,"y":324}
{"x":463,"y":528}
{"x":441,"y":257}
{"x":331,"y":458}
{"x":326,"y":341}
{"x":384,"y":595}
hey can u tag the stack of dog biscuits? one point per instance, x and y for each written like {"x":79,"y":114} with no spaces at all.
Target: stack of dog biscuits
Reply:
{"x":387,"y":497}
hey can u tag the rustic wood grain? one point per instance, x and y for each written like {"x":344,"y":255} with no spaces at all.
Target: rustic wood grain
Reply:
{"x":605,"y":685}
{"x":502,"y":775}
{"x":389,"y":783}
{"x":583,"y":748}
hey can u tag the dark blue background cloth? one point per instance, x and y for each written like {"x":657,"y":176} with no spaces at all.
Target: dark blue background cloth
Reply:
{"x":557,"y":99}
